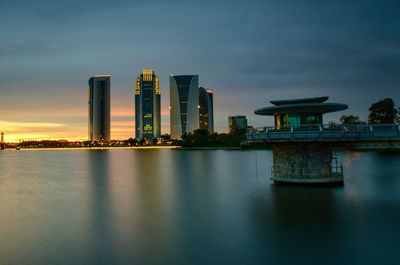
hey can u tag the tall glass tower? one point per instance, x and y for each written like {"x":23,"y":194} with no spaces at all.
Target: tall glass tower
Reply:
{"x":206,"y":110}
{"x":99,"y":108}
{"x":147,"y":106}
{"x":184,"y":104}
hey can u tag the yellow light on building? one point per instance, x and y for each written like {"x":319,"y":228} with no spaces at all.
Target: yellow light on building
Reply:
{"x":148,"y":127}
{"x":138,"y":86}
{"x":148,"y":75}
{"x":157,"y":86}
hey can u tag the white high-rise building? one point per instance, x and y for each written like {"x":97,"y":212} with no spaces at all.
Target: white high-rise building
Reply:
{"x":184,"y":104}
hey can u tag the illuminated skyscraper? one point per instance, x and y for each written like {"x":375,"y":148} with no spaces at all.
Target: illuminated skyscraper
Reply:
{"x":147,"y":106}
{"x":99,"y":108}
{"x":184,"y":104}
{"x":206,"y":110}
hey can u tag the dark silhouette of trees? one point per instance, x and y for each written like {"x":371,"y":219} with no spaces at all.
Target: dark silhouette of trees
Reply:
{"x":202,"y":138}
{"x":132,"y":142}
{"x":382,"y":111}
{"x":351,"y":119}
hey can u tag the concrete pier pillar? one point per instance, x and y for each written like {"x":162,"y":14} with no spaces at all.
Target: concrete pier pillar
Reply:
{"x":306,"y":163}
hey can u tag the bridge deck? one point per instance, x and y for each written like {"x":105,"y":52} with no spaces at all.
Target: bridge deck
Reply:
{"x":327,"y":133}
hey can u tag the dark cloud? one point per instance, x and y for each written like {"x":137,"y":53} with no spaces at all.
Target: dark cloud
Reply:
{"x":252,"y":51}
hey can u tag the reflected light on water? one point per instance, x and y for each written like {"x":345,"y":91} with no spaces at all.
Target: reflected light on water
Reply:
{"x":165,"y":206}
{"x":349,"y":157}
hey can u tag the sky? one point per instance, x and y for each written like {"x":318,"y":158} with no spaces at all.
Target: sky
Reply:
{"x":249,"y":52}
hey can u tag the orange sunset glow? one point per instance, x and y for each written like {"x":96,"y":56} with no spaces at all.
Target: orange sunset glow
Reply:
{"x":122,"y":126}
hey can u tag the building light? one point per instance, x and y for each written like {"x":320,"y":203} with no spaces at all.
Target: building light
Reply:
{"x":102,"y":75}
{"x":147,"y":75}
{"x":157,"y":86}
{"x":138,"y":86}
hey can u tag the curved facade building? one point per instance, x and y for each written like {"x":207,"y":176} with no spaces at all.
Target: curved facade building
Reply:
{"x":147,"y":106}
{"x":184,"y":104}
{"x":99,"y":108}
{"x":206,"y":111}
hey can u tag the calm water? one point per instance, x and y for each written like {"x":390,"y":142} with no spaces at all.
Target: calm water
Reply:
{"x":192,"y":207}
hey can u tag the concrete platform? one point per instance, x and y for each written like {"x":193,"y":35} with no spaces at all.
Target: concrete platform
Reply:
{"x":334,"y":181}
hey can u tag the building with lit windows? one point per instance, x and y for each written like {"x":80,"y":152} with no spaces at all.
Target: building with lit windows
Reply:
{"x":147,"y":106}
{"x":206,"y":110}
{"x":237,"y":122}
{"x":184,"y":104}
{"x":99,"y":108}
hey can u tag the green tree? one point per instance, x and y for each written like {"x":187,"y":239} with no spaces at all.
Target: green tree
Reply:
{"x":132,"y":142}
{"x":333,"y":124}
{"x":351,"y":119}
{"x":155,"y":141}
{"x":382,"y":111}
{"x":202,"y":138}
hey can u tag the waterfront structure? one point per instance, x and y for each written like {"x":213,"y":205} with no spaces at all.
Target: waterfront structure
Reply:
{"x":237,"y":122}
{"x":99,"y":108}
{"x":184,"y":104}
{"x":299,"y":158}
{"x":206,"y":110}
{"x":147,"y":106}
{"x":303,"y":146}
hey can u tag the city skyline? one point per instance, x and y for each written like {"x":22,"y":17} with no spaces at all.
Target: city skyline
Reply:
{"x":261,"y":51}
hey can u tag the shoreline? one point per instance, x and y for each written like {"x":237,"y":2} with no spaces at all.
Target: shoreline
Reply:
{"x":209,"y":148}
{"x":393,"y":149}
{"x":121,"y":148}
{"x":92,"y":148}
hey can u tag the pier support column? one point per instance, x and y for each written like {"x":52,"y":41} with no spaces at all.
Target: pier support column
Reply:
{"x":305,"y":162}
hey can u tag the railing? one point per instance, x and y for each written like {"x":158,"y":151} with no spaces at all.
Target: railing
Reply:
{"x":343,"y":132}
{"x":306,"y":173}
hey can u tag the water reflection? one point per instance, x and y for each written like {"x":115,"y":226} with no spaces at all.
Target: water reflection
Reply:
{"x":151,"y":211}
{"x":349,"y":157}
{"x":303,"y":207}
{"x":192,"y":207}
{"x":100,"y":210}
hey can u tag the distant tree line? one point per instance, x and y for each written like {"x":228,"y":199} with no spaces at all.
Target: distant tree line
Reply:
{"x":202,"y":138}
{"x":381,"y":112}
{"x":45,"y":144}
{"x":75,"y":144}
